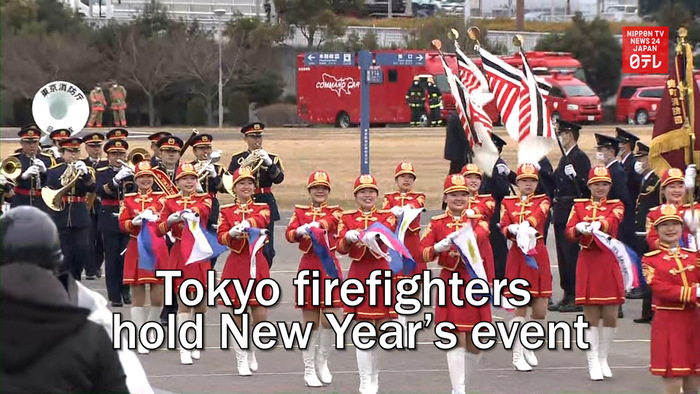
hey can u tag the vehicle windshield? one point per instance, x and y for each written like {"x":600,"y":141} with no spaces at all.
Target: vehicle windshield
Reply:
{"x":442,"y":84}
{"x":578,"y":91}
{"x":577,"y":72}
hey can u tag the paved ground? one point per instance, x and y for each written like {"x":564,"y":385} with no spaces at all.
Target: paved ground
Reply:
{"x":421,"y":371}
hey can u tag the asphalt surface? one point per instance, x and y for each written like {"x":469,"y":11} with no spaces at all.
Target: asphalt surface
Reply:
{"x":423,"y":370}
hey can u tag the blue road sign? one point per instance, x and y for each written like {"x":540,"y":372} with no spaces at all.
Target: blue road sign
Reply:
{"x":329,"y":59}
{"x":400,"y":59}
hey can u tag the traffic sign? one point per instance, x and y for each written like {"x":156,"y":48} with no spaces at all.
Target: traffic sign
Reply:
{"x":329,"y":59}
{"x":375,"y":75}
{"x":400,"y":59}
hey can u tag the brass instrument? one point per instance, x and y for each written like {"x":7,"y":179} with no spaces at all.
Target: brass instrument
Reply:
{"x":201,"y":166}
{"x":254,"y":161}
{"x":136,"y":156}
{"x":53,"y":198}
{"x":11,"y":169}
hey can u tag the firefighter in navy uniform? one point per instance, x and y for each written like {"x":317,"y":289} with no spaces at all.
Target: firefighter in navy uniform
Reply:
{"x":649,"y":197}
{"x":570,"y":179}
{"x":415,"y":98}
{"x":56,"y":137}
{"x":93,"y":148}
{"x":434,"y":103}
{"x":169,"y":148}
{"x":34,"y":166}
{"x":113,"y":181}
{"x":210,"y":176}
{"x":271,"y":172}
{"x":155,"y":151}
{"x":73,"y":221}
{"x":627,"y":160}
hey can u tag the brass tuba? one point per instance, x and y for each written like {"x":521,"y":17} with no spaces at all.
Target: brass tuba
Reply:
{"x":11,"y":169}
{"x":53,"y":198}
{"x":254,"y":161}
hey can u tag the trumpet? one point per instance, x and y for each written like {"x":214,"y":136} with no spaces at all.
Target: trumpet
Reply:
{"x":11,"y":169}
{"x":201,"y":166}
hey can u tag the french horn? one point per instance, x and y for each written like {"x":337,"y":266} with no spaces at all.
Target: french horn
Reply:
{"x":254,"y":161}
{"x":53,"y":198}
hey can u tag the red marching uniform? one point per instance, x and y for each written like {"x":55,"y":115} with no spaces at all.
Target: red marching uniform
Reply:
{"x":671,"y":175}
{"x":364,"y":261}
{"x":598,"y":277}
{"x":238,"y":261}
{"x":533,"y":209}
{"x":466,"y":316}
{"x":199,"y":204}
{"x":674,"y":277}
{"x":483,"y":206}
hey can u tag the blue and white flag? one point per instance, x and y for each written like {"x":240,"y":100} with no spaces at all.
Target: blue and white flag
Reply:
{"x":627,"y":259}
{"x":256,"y":240}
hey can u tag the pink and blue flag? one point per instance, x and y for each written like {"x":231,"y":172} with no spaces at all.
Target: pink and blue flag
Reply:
{"x":402,"y":260}
{"x":319,"y":241}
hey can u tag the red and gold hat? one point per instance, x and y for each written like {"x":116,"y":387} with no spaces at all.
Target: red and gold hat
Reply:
{"x":202,"y":140}
{"x":117,"y":134}
{"x":185,"y":169}
{"x":170,"y":143}
{"x":455,"y":183}
{"x":365,"y":181}
{"x":59,"y":135}
{"x":527,"y":171}
{"x":242,"y":173}
{"x":599,"y":174}
{"x":404,"y":168}
{"x":158,"y":135}
{"x":672,"y":175}
{"x":319,"y":178}
{"x":471,"y":169}
{"x":116,"y":146}
{"x":143,"y":168}
{"x":29,"y":133}
{"x":668,"y":213}
{"x":71,"y":143}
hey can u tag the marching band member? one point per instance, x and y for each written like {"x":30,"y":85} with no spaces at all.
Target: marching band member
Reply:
{"x":673,"y":273}
{"x":73,"y":221}
{"x":271,"y":172}
{"x":599,"y":285}
{"x":364,"y":261}
{"x":234,"y":220}
{"x":170,"y":148}
{"x":56,"y":137}
{"x":137,"y":207}
{"x":673,"y":187}
{"x":155,"y":151}
{"x":176,"y":210}
{"x":117,"y":134}
{"x":318,"y":214}
{"x":113,"y":181}
{"x":93,"y":148}
{"x":6,"y":190}
{"x":437,"y":244}
{"x":34,"y":166}
{"x":527,"y":212}
{"x":480,"y":207}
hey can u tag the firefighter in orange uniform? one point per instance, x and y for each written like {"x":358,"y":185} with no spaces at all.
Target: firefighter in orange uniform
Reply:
{"x":318,"y":214}
{"x":599,"y":285}
{"x":437,"y":244}
{"x":673,"y":273}
{"x":117,"y":98}
{"x":97,"y":107}
{"x":364,"y":261}
{"x":480,"y":207}
{"x":176,"y":209}
{"x":234,"y":219}
{"x":131,"y":217}
{"x":524,"y":213}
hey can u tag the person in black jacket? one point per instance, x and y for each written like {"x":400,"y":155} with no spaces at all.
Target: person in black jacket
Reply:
{"x":48,"y":344}
{"x":628,"y":160}
{"x":457,"y":149}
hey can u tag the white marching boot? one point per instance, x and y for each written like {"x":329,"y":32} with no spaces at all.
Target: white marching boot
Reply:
{"x":594,"y":369}
{"x":364,"y":367}
{"x":252,"y":361}
{"x":185,"y":355}
{"x":309,"y":355}
{"x":153,"y":315}
{"x":472,"y":363}
{"x":241,"y":359}
{"x":519,"y":361}
{"x":137,"y":316}
{"x":325,"y":344}
{"x":375,"y":369}
{"x":195,"y":353}
{"x":530,"y":357}
{"x":607,"y":334}
{"x":404,"y":326}
{"x":456,"y":361}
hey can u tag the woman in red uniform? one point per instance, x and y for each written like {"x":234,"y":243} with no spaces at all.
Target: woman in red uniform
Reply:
{"x":364,"y":261}
{"x":673,"y":273}
{"x":599,"y":285}
{"x":436,"y":244}
{"x":397,"y":202}
{"x":131,"y":217}
{"x":176,"y":209}
{"x":233,"y":221}
{"x":481,"y":206}
{"x":525,"y":212}
{"x":318,"y":214}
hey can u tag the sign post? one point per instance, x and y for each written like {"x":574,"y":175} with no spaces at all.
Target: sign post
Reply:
{"x":365,"y":61}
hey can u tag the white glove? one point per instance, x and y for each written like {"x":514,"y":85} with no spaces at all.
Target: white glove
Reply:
{"x":302,"y":230}
{"x":266,"y":157}
{"x":31,"y":171}
{"x":137,"y":220}
{"x":3,"y":180}
{"x":537,"y":166}
{"x":211,"y":170}
{"x":513,"y":229}
{"x":314,"y":224}
{"x":80,"y":166}
{"x":690,"y":221}
{"x":235,"y":232}
{"x":583,"y":228}
{"x":174,"y":218}
{"x":352,"y":236}
{"x":525,"y":224}
{"x":188,"y":215}
{"x":570,"y":171}
{"x":123,"y":173}
{"x":502,"y":169}
{"x":56,"y":153}
{"x":40,"y":164}
{"x":215,"y":155}
{"x":690,"y":174}
{"x":397,"y":211}
{"x":697,"y":292}
{"x":595,"y":226}
{"x":149,"y":216}
{"x":442,"y":245}
{"x":244,"y":224}
{"x":470,"y":212}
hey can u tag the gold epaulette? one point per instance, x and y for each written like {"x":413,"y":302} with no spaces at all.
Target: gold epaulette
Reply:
{"x":301,"y":206}
{"x":540,"y":195}
{"x":438,"y":217}
{"x":334,"y":207}
{"x":384,"y":211}
{"x":485,"y":195}
{"x":130,"y":194}
{"x":201,"y":194}
{"x":511,"y":197}
{"x":652,"y":253}
{"x":417,"y":193}
{"x":103,"y":169}
{"x":57,"y":165}
{"x":16,"y":154}
{"x":581,"y":199}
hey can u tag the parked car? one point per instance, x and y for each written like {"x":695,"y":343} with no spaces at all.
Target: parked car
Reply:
{"x":629,"y":85}
{"x":642,"y":106}
{"x":572,"y":100}
{"x":452,"y":7}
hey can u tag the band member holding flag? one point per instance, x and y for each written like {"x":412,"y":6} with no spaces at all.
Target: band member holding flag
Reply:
{"x":673,"y":273}
{"x":181,"y":217}
{"x":364,"y":261}
{"x":673,"y":187}
{"x":437,"y":241}
{"x":522,"y":221}
{"x":324,"y":218}
{"x":236,"y":230}
{"x":138,"y":209}
{"x":599,"y":284}
{"x":481,"y":207}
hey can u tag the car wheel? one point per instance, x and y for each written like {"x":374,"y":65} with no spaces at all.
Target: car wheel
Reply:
{"x":343,"y":120}
{"x":641,"y":117}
